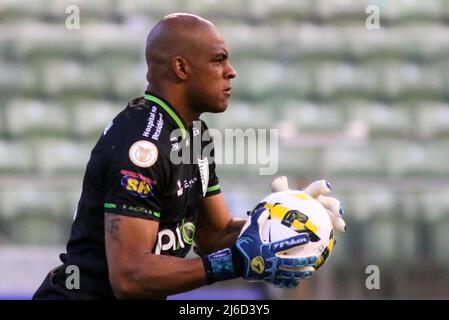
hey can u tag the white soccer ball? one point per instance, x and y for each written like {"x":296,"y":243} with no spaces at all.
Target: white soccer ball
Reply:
{"x":293,"y":212}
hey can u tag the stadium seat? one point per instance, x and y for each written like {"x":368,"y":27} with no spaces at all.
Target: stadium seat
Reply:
{"x":432,"y":120}
{"x":216,"y":8}
{"x":381,"y":119}
{"x":59,"y":77}
{"x":363,"y":160}
{"x":28,"y":117}
{"x":435,"y":207}
{"x":92,"y":116}
{"x":10,"y":78}
{"x":413,"y":11}
{"x":15,"y":157}
{"x":418,"y":159}
{"x":62,"y":156}
{"x":38,"y":211}
{"x":240,"y":115}
{"x":302,"y":162}
{"x":310,"y":117}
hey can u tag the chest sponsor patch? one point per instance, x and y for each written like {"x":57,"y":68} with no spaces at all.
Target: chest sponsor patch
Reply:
{"x":143,"y":153}
{"x":175,"y":239}
{"x":137,"y":184}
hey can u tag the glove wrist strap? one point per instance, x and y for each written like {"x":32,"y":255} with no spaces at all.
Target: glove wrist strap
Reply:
{"x":222,"y":265}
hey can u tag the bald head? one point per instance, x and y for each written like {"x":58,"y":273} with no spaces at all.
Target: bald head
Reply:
{"x":177,"y":34}
{"x":188,"y":65}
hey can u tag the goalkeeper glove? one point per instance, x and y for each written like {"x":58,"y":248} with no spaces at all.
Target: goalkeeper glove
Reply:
{"x":316,"y":190}
{"x":254,"y":260}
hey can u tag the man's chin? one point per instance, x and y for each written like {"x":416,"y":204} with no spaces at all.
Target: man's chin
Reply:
{"x":219,"y":108}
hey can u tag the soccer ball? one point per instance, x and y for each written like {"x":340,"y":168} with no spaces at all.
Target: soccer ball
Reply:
{"x":293,"y":212}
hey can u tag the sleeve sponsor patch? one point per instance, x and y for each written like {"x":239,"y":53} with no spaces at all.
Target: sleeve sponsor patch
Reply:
{"x":137,"y":184}
{"x":141,"y":210}
{"x":143,"y":153}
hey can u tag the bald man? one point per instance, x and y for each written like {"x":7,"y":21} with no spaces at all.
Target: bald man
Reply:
{"x":139,"y":211}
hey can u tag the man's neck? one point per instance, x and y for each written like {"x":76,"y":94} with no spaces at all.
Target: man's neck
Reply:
{"x":179,"y":103}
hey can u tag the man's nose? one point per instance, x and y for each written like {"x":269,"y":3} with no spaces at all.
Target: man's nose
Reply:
{"x":231,"y":73}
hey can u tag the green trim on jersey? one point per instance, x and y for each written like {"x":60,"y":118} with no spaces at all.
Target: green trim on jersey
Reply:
{"x":108,"y":205}
{"x":213,"y":188}
{"x":164,"y":106}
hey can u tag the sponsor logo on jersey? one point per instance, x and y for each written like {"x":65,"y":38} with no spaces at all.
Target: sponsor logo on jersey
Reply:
{"x":146,"y":211}
{"x":143,"y":153}
{"x":137,"y":184}
{"x":138,"y":176}
{"x":203,"y":165}
{"x":159,"y":125}
{"x":150,"y":125}
{"x":171,"y":240}
{"x":184,"y":184}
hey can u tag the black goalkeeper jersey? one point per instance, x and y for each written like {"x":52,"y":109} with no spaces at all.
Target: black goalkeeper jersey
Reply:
{"x":147,"y":165}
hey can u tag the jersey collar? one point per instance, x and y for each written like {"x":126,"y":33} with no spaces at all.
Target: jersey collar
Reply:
{"x":162,"y":103}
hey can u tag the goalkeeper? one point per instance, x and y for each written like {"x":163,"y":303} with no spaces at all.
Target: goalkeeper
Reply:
{"x":139,"y":212}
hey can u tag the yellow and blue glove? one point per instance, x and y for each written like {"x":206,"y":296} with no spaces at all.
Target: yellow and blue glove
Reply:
{"x":317,"y":190}
{"x":254,"y":260}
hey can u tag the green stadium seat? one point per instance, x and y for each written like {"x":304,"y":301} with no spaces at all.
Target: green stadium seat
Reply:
{"x":10,"y":78}
{"x":257,"y":78}
{"x":128,"y":79}
{"x":382,"y":120}
{"x":244,"y":41}
{"x":432,"y":120}
{"x":92,"y":116}
{"x":344,"y":79}
{"x":310,"y":117}
{"x":150,"y":9}
{"x":15,"y":157}
{"x":214,"y":9}
{"x":242,"y":115}
{"x":62,"y":77}
{"x":373,"y":209}
{"x":354,"y":160}
{"x":418,"y":159}
{"x":343,"y":10}
{"x":434,"y":203}
{"x":408,"y":80}
{"x":27,"y":117}
{"x":62,"y":156}
{"x":302,"y":161}
{"x":413,"y":11}
{"x":36,"y":212}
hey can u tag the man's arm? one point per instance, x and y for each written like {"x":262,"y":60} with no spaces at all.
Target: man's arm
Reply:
{"x":216,"y":228}
{"x":136,"y":273}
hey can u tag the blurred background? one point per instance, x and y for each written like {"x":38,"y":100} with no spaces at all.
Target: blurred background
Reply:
{"x":365,"y":106}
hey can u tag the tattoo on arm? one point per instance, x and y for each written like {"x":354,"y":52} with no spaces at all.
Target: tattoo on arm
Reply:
{"x":112,"y":225}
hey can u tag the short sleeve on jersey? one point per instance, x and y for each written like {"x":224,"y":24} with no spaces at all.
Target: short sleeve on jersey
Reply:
{"x":135,"y":182}
{"x":213,"y":186}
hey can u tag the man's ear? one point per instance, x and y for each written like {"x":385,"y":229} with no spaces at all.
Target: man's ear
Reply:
{"x":181,"y":67}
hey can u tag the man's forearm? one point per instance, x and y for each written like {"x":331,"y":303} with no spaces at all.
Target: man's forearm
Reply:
{"x":228,"y":236}
{"x":157,"y":276}
{"x":135,"y":272}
